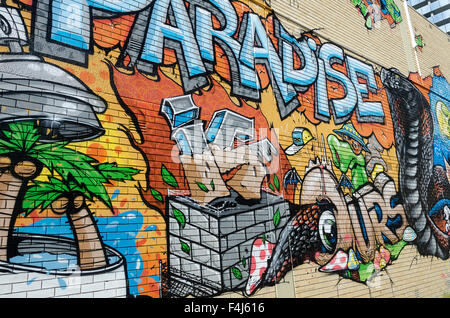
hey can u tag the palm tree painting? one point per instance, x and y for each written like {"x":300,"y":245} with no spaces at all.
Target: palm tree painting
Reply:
{"x":80,"y":178}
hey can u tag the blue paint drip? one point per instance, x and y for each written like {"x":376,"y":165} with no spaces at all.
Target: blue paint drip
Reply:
{"x":152,"y":227}
{"x":62,"y":283}
{"x":115,"y":194}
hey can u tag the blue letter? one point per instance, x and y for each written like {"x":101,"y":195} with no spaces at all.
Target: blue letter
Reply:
{"x":158,"y":30}
{"x":321,"y":106}
{"x":205,"y":34}
{"x":265,"y":50}
{"x":342,"y":108}
{"x":366,"y":111}
{"x":305,"y":50}
{"x":71,"y":19}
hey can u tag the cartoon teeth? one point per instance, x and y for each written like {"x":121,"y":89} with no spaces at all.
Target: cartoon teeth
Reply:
{"x":300,"y":137}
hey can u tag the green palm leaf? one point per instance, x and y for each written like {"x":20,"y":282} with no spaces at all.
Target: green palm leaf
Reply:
{"x":6,"y":146}
{"x":13,"y":140}
{"x":22,"y":134}
{"x":54,"y":184}
{"x":42,"y":194}
{"x":79,"y":172}
{"x":74,"y":187}
{"x":70,"y":163}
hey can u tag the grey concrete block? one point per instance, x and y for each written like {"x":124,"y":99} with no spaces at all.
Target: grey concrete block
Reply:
{"x":214,"y":226}
{"x":226,"y":279}
{"x":246,"y":219}
{"x":238,"y":276}
{"x":200,"y":254}
{"x":215,"y":260}
{"x":175,"y":261}
{"x":255,"y":231}
{"x":174,"y":226}
{"x":175,"y":246}
{"x":230,"y":257}
{"x":263,"y":214}
{"x":190,"y":267}
{"x":223,"y":243}
{"x":245,"y":249}
{"x":219,"y":239}
{"x":211,"y":275}
{"x":199,"y":219}
{"x":236,"y":238}
{"x":191,"y":232}
{"x":209,"y":240}
{"x":271,"y":236}
{"x":227,"y":225}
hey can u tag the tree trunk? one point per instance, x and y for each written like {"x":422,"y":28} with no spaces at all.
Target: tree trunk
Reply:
{"x":10,"y":188}
{"x":91,"y":252}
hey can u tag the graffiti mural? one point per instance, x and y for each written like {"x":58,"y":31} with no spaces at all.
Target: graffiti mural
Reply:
{"x":375,"y":11}
{"x":172,"y":148}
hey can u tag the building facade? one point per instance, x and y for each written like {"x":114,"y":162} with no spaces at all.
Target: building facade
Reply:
{"x":168,"y":148}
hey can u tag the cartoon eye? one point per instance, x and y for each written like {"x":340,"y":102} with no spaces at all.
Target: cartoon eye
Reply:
{"x":328,"y":230}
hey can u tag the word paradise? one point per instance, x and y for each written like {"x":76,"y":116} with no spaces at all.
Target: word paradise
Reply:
{"x":202,"y":32}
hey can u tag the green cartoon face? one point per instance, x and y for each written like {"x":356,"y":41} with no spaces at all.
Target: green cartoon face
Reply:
{"x":346,"y":158}
{"x":356,"y":146}
{"x":342,"y":152}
